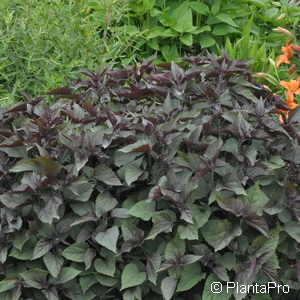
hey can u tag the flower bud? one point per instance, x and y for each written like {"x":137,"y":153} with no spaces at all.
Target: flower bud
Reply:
{"x":292,"y":69}
{"x":296,"y":48}
{"x":260,"y":75}
{"x":282,"y":16}
{"x":272,"y":61}
{"x":266,"y":87}
{"x":282,"y":30}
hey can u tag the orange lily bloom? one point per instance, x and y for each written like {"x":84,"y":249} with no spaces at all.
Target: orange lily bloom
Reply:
{"x":293,"y":89}
{"x":287,"y":54}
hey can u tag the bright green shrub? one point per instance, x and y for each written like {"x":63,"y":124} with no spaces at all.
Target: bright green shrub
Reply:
{"x":150,"y":183}
{"x":178,"y":27}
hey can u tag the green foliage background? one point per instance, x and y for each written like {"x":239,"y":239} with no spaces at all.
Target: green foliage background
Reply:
{"x":43,"y":43}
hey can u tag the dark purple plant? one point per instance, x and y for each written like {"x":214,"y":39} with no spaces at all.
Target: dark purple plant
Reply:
{"x":150,"y":182}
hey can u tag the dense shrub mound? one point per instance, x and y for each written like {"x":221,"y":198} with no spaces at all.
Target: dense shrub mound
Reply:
{"x":150,"y":182}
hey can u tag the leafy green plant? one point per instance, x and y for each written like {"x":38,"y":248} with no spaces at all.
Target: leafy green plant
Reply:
{"x":178,"y":27}
{"x":43,"y":45}
{"x":150,"y":182}
{"x":249,"y":46}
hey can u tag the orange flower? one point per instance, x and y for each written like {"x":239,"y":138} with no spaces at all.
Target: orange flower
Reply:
{"x":292,"y":85}
{"x":293,"y":88}
{"x":287,"y":54}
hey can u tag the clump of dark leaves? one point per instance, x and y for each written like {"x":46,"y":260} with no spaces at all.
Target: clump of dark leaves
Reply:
{"x":150,"y":182}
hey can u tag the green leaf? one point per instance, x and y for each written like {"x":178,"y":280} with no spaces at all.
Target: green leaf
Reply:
{"x":133,"y":294}
{"x":131,"y":171}
{"x":190,"y":259}
{"x":20,"y":152}
{"x":106,"y":280}
{"x":200,"y":216}
{"x":168,"y":287}
{"x":187,"y":39}
{"x":188,"y":232}
{"x":7,"y":284}
{"x":132,"y":276}
{"x":156,"y":31}
{"x":166,"y":20}
{"x":163,"y":222}
{"x":257,"y":199}
{"x":223,"y":29}
{"x":152,"y":266}
{"x":213,"y":283}
{"x":105,"y":202}
{"x":170,"y":53}
{"x":121,"y":159}
{"x":82,"y":208}
{"x":216,"y":7}
{"x":108,"y":238}
{"x":88,"y":257}
{"x":261,"y":3}
{"x":106,"y":175}
{"x":206,"y":41}
{"x":175,"y":249}
{"x":76,"y":252}
{"x":83,"y":190}
{"x":35,"y":278}
{"x":231,"y":182}
{"x":190,"y":276}
{"x":219,"y":233}
{"x":105,"y":266}
{"x":19,"y":239}
{"x":66,"y":274}
{"x":200,"y":8}
{"x":24,"y":165}
{"x":293,"y":229}
{"x":26,"y":252}
{"x":153,"y":44}
{"x":228,"y":260}
{"x":53,"y":262}
{"x":86,"y":282}
{"x":48,"y":209}
{"x":14,"y":200}
{"x":185,"y":23}
{"x":226,"y":19}
{"x":142,"y":145}
{"x":169,"y":33}
{"x":200,"y":30}
{"x":42,"y":247}
{"x":143,"y":210}
{"x":180,"y":10}
{"x":264,"y":246}
{"x":236,"y":206}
